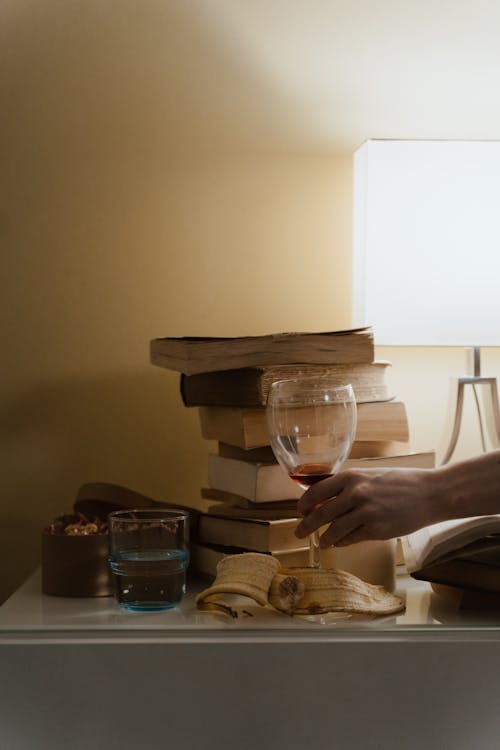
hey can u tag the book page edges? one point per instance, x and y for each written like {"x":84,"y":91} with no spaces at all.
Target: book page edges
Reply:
{"x":196,"y":355}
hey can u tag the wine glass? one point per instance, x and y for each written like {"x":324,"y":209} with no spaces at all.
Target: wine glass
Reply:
{"x":312,"y":422}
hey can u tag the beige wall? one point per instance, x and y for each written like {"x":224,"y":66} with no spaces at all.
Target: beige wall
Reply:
{"x":101,"y":266}
{"x":141,"y":195}
{"x":111,"y":236}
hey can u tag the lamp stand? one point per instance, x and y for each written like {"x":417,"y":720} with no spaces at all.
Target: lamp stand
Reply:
{"x":491,"y":408}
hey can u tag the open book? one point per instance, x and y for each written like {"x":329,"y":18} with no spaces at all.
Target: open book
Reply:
{"x":463,"y":553}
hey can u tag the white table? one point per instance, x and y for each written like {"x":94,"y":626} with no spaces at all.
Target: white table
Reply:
{"x":83,"y":674}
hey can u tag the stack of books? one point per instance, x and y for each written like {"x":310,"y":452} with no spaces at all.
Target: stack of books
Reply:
{"x":249,"y":503}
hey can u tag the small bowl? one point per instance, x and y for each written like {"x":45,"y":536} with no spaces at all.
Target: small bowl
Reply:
{"x":76,"y":565}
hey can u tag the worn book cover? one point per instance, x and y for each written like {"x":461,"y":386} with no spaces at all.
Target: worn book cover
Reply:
{"x":192,"y":355}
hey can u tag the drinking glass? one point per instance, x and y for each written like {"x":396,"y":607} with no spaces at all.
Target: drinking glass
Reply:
{"x":312,"y":423}
{"x":148,"y":556}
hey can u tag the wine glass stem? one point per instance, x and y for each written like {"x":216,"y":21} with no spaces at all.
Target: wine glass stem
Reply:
{"x":314,"y":550}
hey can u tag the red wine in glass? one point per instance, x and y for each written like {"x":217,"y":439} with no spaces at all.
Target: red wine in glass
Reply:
{"x":305,"y":475}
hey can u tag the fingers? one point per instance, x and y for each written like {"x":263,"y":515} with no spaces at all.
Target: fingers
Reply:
{"x":331,"y":509}
{"x":356,"y":536}
{"x":345,"y":528}
{"x":319,"y":493}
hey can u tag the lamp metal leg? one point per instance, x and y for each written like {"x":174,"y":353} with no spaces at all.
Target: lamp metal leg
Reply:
{"x":491,"y":411}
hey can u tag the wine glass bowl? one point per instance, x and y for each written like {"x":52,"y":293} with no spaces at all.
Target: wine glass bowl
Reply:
{"x":312,"y":423}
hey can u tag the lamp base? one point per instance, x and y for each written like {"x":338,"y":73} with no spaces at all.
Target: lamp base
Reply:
{"x":491,"y":409}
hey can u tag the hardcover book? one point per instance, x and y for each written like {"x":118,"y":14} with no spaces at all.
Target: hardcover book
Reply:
{"x":250,"y":386}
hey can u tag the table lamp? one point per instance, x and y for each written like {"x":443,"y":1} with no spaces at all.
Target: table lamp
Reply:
{"x":426,"y":256}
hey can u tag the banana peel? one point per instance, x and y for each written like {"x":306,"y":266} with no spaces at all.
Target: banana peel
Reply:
{"x":294,"y":590}
{"x":317,"y":591}
{"x":247,"y":574}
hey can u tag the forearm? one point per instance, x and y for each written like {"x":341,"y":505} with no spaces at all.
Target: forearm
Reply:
{"x":468,"y":488}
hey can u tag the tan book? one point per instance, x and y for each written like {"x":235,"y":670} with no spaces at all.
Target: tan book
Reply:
{"x":269,"y":482}
{"x":204,"y":557}
{"x":360,"y":449}
{"x":259,"y":535}
{"x":250,"y":386}
{"x":254,"y":481}
{"x":247,"y":428}
{"x":191,"y":355}
{"x":464,"y":553}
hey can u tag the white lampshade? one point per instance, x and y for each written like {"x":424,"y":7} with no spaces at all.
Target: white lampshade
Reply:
{"x":427,"y":242}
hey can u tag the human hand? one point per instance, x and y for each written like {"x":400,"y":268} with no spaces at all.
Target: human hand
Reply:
{"x":362,"y":504}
